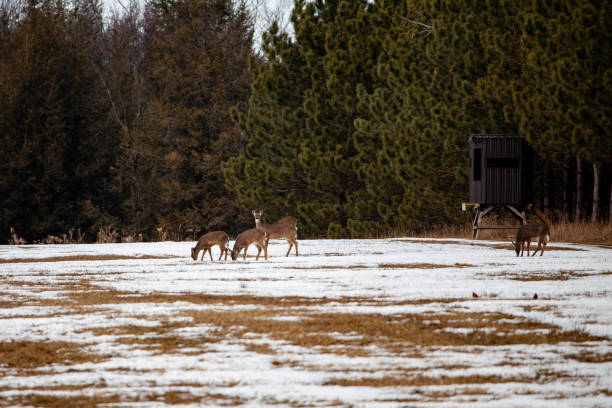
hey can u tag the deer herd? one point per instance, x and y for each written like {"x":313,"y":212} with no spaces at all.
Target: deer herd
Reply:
{"x":285,"y":228}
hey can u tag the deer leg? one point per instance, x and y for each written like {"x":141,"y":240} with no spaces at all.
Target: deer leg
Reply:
{"x":203,"y":253}
{"x":258,"y":252}
{"x":290,"y":246}
{"x":244,"y":257}
{"x":296,"y":251}
{"x":210,"y":253}
{"x":528,"y":245}
{"x":539,"y":246}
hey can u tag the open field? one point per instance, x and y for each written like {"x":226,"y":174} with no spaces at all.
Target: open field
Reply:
{"x":372,"y":323}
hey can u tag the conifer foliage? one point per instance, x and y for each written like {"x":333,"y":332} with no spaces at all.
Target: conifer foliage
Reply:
{"x":359,"y":124}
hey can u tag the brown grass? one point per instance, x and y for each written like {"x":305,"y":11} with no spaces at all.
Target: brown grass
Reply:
{"x":103,"y":296}
{"x":508,"y":246}
{"x":44,"y":399}
{"x":588,"y":356}
{"x":583,"y":232}
{"x":86,"y":258}
{"x":391,"y":332}
{"x":423,"y":266}
{"x":562,"y":231}
{"x":259,"y":348}
{"x":35,"y":354}
{"x":424,"y":381}
{"x":339,"y":333}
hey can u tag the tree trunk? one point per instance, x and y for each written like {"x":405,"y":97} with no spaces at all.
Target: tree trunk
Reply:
{"x":594,"y":215}
{"x":546,"y":203}
{"x":566,"y":193}
{"x":578,"y":211}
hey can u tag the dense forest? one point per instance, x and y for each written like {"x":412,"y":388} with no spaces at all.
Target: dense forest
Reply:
{"x":163,"y":121}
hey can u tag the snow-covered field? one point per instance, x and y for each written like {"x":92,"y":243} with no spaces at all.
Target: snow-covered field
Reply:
{"x":372,"y":323}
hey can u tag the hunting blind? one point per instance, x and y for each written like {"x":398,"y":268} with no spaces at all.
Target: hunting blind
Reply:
{"x":501,"y":176}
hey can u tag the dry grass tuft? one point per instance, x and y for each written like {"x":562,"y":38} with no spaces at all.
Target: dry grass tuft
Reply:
{"x":423,"y":266}
{"x":507,"y":246}
{"x":259,"y":348}
{"x":582,"y":232}
{"x":587,"y":356}
{"x":44,"y":399}
{"x":35,"y":354}
{"x":562,"y":231}
{"x":424,"y":381}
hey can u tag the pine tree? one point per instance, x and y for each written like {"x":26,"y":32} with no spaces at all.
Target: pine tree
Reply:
{"x":433,"y":97}
{"x":563,"y":101}
{"x":300,"y":154}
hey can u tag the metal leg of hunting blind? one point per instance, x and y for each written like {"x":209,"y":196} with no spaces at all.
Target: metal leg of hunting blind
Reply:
{"x":517,"y":214}
{"x":481,"y":214}
{"x":478,"y":217}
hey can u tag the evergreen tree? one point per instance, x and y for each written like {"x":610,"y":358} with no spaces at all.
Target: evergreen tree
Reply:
{"x":434,"y":94}
{"x":300,"y":154}
{"x":563,"y":102}
{"x":54,"y":150}
{"x":196,"y":70}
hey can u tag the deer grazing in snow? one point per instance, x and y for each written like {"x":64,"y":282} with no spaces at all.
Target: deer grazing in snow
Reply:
{"x":529,"y":231}
{"x":253,"y":236}
{"x":209,"y":240}
{"x":285,"y":228}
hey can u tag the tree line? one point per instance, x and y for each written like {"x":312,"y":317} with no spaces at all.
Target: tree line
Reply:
{"x":163,"y":122}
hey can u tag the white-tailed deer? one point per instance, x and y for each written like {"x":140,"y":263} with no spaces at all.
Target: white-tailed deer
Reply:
{"x":286,"y":228}
{"x":253,"y":236}
{"x":529,"y":231}
{"x":209,"y":240}
{"x":285,"y":220}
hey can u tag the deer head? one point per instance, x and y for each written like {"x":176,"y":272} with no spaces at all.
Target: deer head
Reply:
{"x":257,"y":215}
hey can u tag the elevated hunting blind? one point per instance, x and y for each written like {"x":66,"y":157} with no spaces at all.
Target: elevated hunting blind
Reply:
{"x":501,"y":176}
{"x":501,"y":170}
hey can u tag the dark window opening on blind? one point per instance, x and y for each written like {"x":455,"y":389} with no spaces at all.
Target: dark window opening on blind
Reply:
{"x":503,"y":162}
{"x":477,"y":164}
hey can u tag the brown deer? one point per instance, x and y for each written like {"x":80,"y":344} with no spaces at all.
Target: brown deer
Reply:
{"x":209,"y":240}
{"x":285,"y":220}
{"x":529,"y":231}
{"x":285,"y":228}
{"x":253,"y":236}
